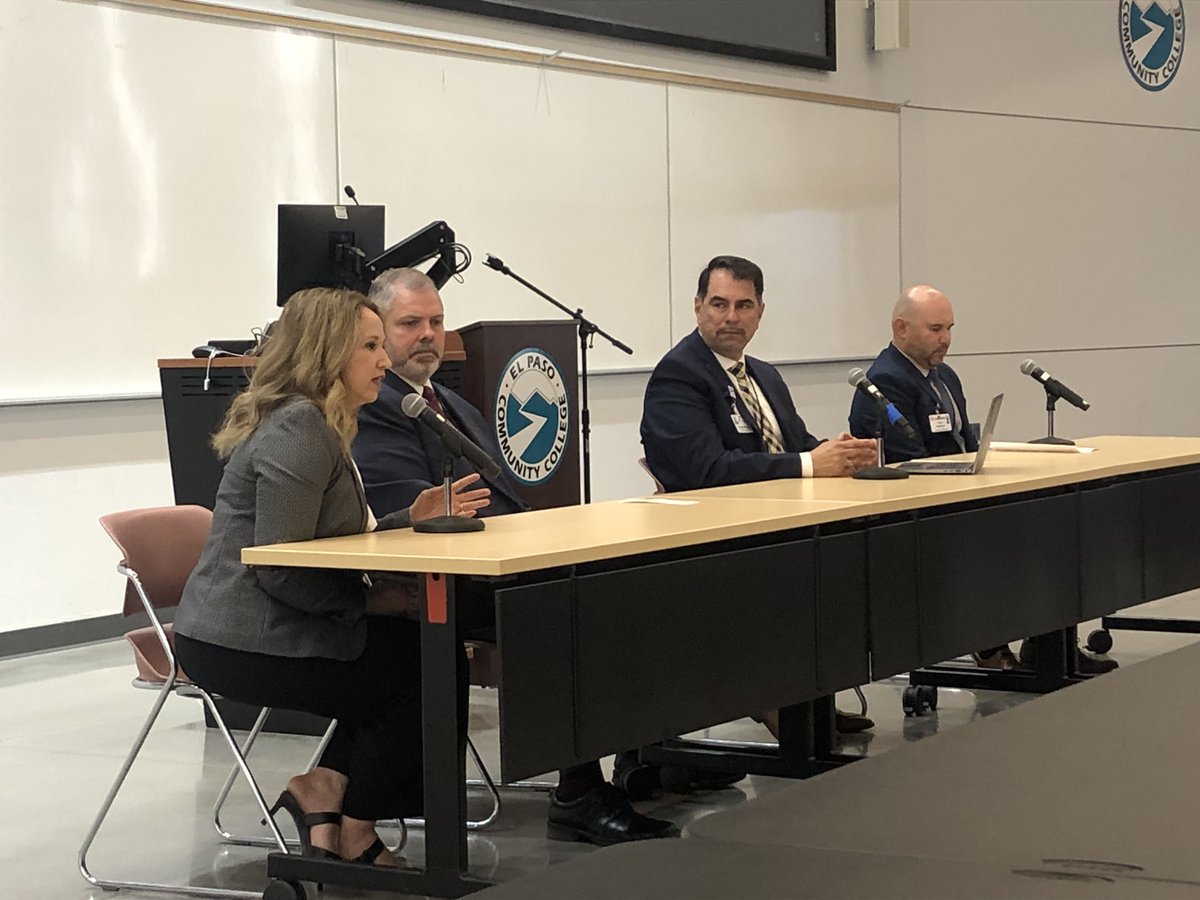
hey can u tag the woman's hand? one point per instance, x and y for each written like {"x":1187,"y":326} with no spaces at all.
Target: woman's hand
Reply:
{"x":431,"y":502}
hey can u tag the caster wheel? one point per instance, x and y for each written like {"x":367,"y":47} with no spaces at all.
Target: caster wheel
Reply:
{"x":285,"y":890}
{"x":929,"y":695}
{"x":1099,"y":641}
{"x":912,"y":701}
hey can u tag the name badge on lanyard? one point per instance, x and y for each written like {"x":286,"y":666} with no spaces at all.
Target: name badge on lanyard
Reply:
{"x":735,"y":415}
{"x":939,"y":423}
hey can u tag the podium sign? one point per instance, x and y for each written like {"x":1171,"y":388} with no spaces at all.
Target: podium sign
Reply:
{"x":523,"y":377}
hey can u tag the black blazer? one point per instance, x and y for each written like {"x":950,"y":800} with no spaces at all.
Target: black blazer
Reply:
{"x":916,"y":399}
{"x":398,"y":457}
{"x":687,"y":427}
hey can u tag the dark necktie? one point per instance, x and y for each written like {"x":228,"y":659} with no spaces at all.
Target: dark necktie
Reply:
{"x":772,"y":442}
{"x":432,"y":399}
{"x":948,"y":405}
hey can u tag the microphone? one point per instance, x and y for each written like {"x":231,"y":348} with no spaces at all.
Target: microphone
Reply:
{"x":453,"y":440}
{"x":350,"y":193}
{"x":858,"y":378}
{"x":494,"y":262}
{"x":1053,"y":386}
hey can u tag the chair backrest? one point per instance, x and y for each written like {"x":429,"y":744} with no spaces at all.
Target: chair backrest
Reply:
{"x":658,"y":488}
{"x":162,"y":545}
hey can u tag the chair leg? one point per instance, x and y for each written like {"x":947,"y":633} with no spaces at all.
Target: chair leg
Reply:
{"x":251,"y":737}
{"x":486,"y":781}
{"x":240,"y":760}
{"x":150,"y":887}
{"x":492,"y":789}
{"x":253,"y":840}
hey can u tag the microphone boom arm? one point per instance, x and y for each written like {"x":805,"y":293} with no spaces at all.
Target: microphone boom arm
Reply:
{"x":587,"y":329}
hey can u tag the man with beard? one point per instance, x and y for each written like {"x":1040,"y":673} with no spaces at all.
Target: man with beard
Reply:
{"x":913,"y":374}
{"x":399,"y":458}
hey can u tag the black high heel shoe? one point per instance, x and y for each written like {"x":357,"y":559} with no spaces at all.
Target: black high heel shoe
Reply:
{"x":305,"y":822}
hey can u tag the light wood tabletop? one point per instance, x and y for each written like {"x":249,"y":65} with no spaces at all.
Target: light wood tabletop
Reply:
{"x":1005,"y":472}
{"x":579,"y":534}
{"x":540,"y":539}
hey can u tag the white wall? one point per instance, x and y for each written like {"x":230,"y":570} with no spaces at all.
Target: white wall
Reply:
{"x":61,"y":466}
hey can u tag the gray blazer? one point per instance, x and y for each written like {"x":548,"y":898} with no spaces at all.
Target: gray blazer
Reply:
{"x":288,"y":481}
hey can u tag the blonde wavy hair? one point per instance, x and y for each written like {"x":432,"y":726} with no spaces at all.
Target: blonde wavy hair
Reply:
{"x":310,"y":345}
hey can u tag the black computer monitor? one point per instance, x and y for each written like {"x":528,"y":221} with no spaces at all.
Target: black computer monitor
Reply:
{"x":326,"y":246}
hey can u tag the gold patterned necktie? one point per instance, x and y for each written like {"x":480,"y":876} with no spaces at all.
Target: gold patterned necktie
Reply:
{"x":772,"y":442}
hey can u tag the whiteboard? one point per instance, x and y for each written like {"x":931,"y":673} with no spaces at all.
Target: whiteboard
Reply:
{"x":146,"y":152}
{"x":559,"y":174}
{"x":144,"y":155}
{"x":1051,"y":235}
{"x":808,"y":191}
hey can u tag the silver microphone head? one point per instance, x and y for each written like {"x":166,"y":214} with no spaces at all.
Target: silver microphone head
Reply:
{"x":1028,"y":366}
{"x":856,"y":377}
{"x":413,"y":405}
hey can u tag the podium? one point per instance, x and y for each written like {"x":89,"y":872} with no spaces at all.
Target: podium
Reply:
{"x":523,"y":377}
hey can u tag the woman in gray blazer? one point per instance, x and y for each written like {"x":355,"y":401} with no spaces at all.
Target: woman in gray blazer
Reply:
{"x":321,"y":641}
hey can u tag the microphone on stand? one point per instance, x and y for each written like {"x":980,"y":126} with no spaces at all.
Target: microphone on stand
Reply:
{"x":350,"y":193}
{"x":1053,"y":386}
{"x":455,"y":442}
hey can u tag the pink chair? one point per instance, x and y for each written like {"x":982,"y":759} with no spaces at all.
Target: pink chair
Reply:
{"x":159,"y":548}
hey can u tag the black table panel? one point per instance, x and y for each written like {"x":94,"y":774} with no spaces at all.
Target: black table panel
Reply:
{"x":997,"y":573}
{"x":1110,"y":548}
{"x":1171,"y":547}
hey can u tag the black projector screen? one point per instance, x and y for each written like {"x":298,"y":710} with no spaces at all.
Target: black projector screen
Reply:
{"x":794,"y":32}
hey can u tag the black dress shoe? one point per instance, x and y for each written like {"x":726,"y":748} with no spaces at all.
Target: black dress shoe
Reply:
{"x":851,"y":723}
{"x":603,"y":817}
{"x":1086,"y":663}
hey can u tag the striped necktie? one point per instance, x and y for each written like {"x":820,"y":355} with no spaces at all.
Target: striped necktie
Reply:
{"x":772,"y":442}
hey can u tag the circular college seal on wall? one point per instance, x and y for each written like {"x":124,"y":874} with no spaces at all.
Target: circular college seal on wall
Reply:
{"x":532,"y":416}
{"x":1151,"y":40}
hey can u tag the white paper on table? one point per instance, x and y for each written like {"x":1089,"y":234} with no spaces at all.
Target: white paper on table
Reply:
{"x":1040,"y":448}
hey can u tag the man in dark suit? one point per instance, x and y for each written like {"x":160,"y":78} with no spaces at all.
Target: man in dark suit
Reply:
{"x":912,"y":373}
{"x":714,"y":416}
{"x":398,"y":458}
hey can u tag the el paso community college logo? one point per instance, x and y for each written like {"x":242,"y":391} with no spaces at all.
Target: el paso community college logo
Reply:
{"x":1151,"y":40}
{"x":532,"y":416}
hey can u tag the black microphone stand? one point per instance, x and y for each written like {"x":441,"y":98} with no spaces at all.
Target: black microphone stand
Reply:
{"x":879,"y":472}
{"x":448,"y":523}
{"x":1051,"y":399}
{"x":587,"y":329}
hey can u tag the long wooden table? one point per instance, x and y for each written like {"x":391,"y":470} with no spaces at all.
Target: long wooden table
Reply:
{"x":622,"y":624}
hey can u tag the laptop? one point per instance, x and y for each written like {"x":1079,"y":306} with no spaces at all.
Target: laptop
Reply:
{"x":959,"y":467}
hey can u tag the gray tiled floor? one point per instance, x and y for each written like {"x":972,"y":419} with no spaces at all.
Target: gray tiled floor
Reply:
{"x":68,"y":717}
